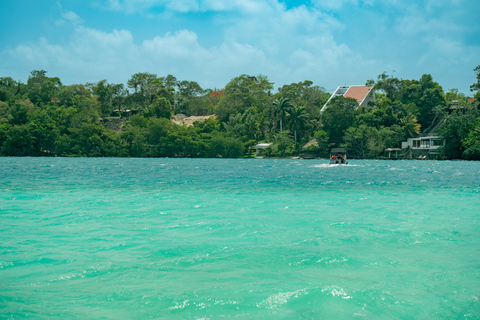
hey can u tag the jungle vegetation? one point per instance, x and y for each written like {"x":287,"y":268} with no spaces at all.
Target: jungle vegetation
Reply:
{"x":43,"y":117}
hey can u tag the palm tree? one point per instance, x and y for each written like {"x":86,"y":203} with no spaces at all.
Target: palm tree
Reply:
{"x":282,"y":106}
{"x":251,"y":124}
{"x":410,"y":126}
{"x":298,"y":117}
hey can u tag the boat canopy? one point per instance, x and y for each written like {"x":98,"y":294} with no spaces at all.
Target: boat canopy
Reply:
{"x":338,"y":150}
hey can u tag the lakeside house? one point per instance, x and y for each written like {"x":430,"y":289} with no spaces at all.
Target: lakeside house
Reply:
{"x":260,"y":149}
{"x":428,"y":145}
{"x":423,"y":147}
{"x":363,"y":95}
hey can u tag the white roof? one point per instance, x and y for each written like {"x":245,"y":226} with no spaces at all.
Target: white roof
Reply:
{"x":264,"y":145}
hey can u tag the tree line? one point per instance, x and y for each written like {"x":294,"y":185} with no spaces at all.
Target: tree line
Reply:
{"x":43,"y":117}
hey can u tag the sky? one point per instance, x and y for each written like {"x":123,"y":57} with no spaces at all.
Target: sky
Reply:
{"x":329,"y":42}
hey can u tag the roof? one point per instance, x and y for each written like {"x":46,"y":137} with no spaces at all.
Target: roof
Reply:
{"x":393,"y":149}
{"x":357,"y":92}
{"x":263,"y":145}
{"x":337,"y":150}
{"x":312,"y":142}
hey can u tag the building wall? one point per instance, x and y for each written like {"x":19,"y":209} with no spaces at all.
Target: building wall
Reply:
{"x":423,"y":147}
{"x":369,"y":98}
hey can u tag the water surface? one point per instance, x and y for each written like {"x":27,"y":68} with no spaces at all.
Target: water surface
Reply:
{"x":113,"y":238}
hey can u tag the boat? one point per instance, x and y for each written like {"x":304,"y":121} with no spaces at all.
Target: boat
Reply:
{"x":338,"y":156}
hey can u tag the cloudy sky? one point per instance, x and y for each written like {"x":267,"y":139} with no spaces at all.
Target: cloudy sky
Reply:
{"x":330,"y":42}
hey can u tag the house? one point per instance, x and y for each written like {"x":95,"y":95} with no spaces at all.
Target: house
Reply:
{"x":424,"y":147}
{"x":363,"y":95}
{"x":428,"y":145}
{"x":260,"y":149}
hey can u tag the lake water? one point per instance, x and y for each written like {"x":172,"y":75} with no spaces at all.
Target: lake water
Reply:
{"x":115,"y":238}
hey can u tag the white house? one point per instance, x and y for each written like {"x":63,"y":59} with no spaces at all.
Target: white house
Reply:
{"x":427,"y":145}
{"x":363,"y":95}
{"x":424,"y":147}
{"x":260,"y":149}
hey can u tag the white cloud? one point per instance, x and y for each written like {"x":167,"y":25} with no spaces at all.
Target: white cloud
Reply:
{"x":333,"y":5}
{"x":181,"y":45}
{"x":88,"y":38}
{"x":417,"y":23}
{"x":69,"y":17}
{"x":442,"y":53}
{"x":264,"y":37}
{"x":72,"y":17}
{"x":183,"y":6}
{"x":93,"y":55}
{"x":278,"y":31}
{"x":132,"y":6}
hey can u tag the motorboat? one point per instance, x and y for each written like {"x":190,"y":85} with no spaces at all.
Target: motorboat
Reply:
{"x":338,"y":156}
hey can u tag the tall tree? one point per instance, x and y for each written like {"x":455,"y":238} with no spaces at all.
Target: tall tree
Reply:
{"x":298,"y":118}
{"x":338,"y":117}
{"x":385,"y":137}
{"x":356,"y":138}
{"x":456,"y":129}
{"x":425,"y":94}
{"x":472,"y":142}
{"x":476,"y":85}
{"x":191,"y":99}
{"x":242,"y":93}
{"x":305,"y":93}
{"x":9,"y":88}
{"x":147,"y":87}
{"x":160,"y":108}
{"x":109,"y":95}
{"x":282,"y":107}
{"x":20,"y":140}
{"x":389,"y":85}
{"x":410,"y":126}
{"x":42,"y":89}
{"x":169,"y":81}
{"x":321,"y":137}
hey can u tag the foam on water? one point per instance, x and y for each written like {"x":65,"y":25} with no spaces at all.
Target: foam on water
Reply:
{"x":210,"y":238}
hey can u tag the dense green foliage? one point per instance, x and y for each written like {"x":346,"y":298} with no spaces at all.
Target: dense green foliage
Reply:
{"x":46,"y":118}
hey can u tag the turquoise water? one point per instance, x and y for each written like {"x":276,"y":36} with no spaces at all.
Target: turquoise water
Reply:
{"x":112,"y":238}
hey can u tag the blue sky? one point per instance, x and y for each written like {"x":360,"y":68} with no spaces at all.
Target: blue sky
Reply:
{"x":330,"y":42}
